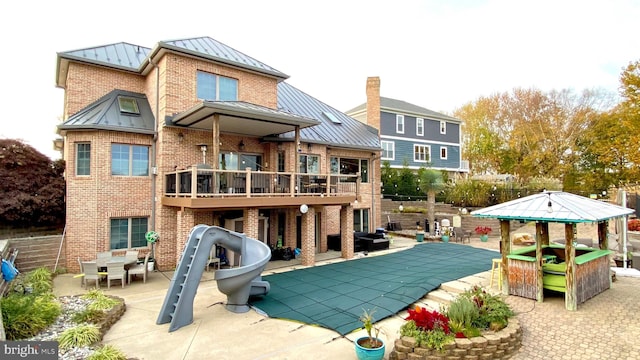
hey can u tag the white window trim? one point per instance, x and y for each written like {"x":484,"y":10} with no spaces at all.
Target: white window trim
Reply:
{"x":77,"y":146}
{"x":399,"y":124}
{"x":443,"y":127}
{"x":420,"y":129}
{"x":446,"y":153}
{"x":427,"y":153}
{"x":393,"y":149}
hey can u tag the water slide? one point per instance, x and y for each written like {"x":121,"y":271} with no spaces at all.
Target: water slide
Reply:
{"x":237,"y":283}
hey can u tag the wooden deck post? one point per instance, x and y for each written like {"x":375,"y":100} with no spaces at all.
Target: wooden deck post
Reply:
{"x":540,"y":233}
{"x":505,"y":238}
{"x":570,"y":295}
{"x":603,"y":239}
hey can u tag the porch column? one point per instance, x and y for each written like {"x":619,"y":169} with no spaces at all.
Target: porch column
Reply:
{"x":250,"y":223}
{"x":308,"y":232}
{"x":290,"y":228}
{"x":215,"y":146}
{"x":505,"y":248}
{"x":571,"y":294}
{"x":542,"y":233}
{"x":273,"y":228}
{"x":346,"y":231}
{"x":185,"y":222}
{"x":322,"y":242}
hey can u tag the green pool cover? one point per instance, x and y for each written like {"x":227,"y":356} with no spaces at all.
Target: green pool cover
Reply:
{"x":334,"y":295}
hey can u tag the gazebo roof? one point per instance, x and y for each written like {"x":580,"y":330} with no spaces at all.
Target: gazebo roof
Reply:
{"x":565,"y":208}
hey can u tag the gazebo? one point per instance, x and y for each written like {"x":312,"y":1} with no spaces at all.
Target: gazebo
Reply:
{"x":579,"y":272}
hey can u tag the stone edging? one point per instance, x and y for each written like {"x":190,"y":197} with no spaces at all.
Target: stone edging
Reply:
{"x":500,"y":345}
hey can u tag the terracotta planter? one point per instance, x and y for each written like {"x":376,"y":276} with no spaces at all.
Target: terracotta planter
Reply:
{"x":619,"y":263}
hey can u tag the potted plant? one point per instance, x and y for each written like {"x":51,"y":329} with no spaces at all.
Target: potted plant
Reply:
{"x":369,"y":347}
{"x":446,"y":233}
{"x":619,"y":259}
{"x":483,"y":231}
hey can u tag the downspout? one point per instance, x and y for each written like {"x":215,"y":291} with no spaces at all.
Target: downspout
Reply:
{"x":154,"y":169}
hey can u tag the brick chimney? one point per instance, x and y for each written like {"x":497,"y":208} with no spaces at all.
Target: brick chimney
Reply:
{"x":373,"y":102}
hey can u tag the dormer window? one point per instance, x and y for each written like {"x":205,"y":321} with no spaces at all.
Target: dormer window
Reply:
{"x":128,"y":105}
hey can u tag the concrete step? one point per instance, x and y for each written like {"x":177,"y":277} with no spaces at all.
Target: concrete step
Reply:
{"x":441,"y":296}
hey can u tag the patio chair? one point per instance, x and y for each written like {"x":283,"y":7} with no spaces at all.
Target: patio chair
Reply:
{"x":103,"y":257}
{"x":140,"y":269}
{"x":131,"y":255}
{"x":90,"y":270}
{"x":81,"y":274}
{"x":115,"y":271}
{"x":213,"y":259}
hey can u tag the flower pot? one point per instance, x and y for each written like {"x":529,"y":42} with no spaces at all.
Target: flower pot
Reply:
{"x":445,"y":238}
{"x":484,"y":237}
{"x":419,"y":236}
{"x":364,"y":353}
{"x":619,"y":263}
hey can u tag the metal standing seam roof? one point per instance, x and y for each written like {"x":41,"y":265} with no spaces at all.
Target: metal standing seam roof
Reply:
{"x":105,"y":114}
{"x":349,"y":133}
{"x":566,"y":208}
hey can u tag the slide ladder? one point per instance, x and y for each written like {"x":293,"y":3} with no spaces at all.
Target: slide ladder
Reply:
{"x":178,"y":303}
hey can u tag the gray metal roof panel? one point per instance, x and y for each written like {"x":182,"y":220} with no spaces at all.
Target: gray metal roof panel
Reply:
{"x":349,"y":133}
{"x":566,"y":208}
{"x":104,"y":114}
{"x":411,"y":108}
{"x":217,"y":51}
{"x":119,"y":55}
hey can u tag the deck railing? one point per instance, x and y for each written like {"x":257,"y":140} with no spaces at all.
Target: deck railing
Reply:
{"x":202,"y":182}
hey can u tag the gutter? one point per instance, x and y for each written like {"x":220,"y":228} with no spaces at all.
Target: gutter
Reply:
{"x":154,"y":168}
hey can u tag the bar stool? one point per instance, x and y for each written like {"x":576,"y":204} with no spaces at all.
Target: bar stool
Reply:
{"x":496,"y":264}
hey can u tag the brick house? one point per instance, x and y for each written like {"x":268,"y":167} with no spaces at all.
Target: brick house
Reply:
{"x":193,"y":132}
{"x":411,"y":133}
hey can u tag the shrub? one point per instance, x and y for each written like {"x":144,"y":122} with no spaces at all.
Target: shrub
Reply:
{"x":99,"y":300}
{"x":40,"y":280}
{"x":429,"y":328}
{"x":25,"y":316}
{"x":79,"y":336}
{"x":107,"y":352}
{"x":633,"y":225}
{"x":494,"y":313}
{"x":90,"y":316}
{"x":463,"y":314}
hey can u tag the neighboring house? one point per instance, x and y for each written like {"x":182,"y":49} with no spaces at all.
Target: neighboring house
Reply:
{"x":412,"y":134}
{"x":195,"y":132}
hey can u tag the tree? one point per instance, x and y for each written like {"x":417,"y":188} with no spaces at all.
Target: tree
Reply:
{"x":528,"y":133}
{"x":431,"y":181}
{"x":33,"y":187}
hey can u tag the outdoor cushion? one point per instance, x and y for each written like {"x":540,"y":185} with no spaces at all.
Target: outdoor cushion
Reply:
{"x":554,"y":282}
{"x":558,"y":269}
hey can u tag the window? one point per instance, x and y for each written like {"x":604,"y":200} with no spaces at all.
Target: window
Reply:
{"x":309,"y":164}
{"x":443,"y":152}
{"x":420,"y":126}
{"x":443,"y":127}
{"x":83,"y":159}
{"x":128,"y":233}
{"x":400,"y":124}
{"x":128,"y":105}
{"x":345,"y":166}
{"x":216,"y":87}
{"x":421,"y":153}
{"x":361,"y":220}
{"x":129,"y":160}
{"x":388,"y":150}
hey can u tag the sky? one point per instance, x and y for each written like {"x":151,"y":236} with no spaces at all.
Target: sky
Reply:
{"x":437,"y":54}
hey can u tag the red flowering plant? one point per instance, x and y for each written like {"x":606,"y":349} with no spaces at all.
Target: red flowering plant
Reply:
{"x":429,"y":328}
{"x":633,"y":225}
{"x":483,"y":230}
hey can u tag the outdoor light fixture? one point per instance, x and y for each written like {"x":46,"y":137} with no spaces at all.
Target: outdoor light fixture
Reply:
{"x":549,"y":205}
{"x":241,"y":145}
{"x":203,"y":148}
{"x":304,"y":208}
{"x":401,"y":208}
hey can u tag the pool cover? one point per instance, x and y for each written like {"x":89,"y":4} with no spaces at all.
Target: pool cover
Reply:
{"x":334,"y":295}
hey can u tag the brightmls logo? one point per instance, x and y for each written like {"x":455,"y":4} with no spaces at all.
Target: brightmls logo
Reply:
{"x":32,"y":350}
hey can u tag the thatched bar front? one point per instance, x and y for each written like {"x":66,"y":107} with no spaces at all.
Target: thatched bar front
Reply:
{"x":591,"y":271}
